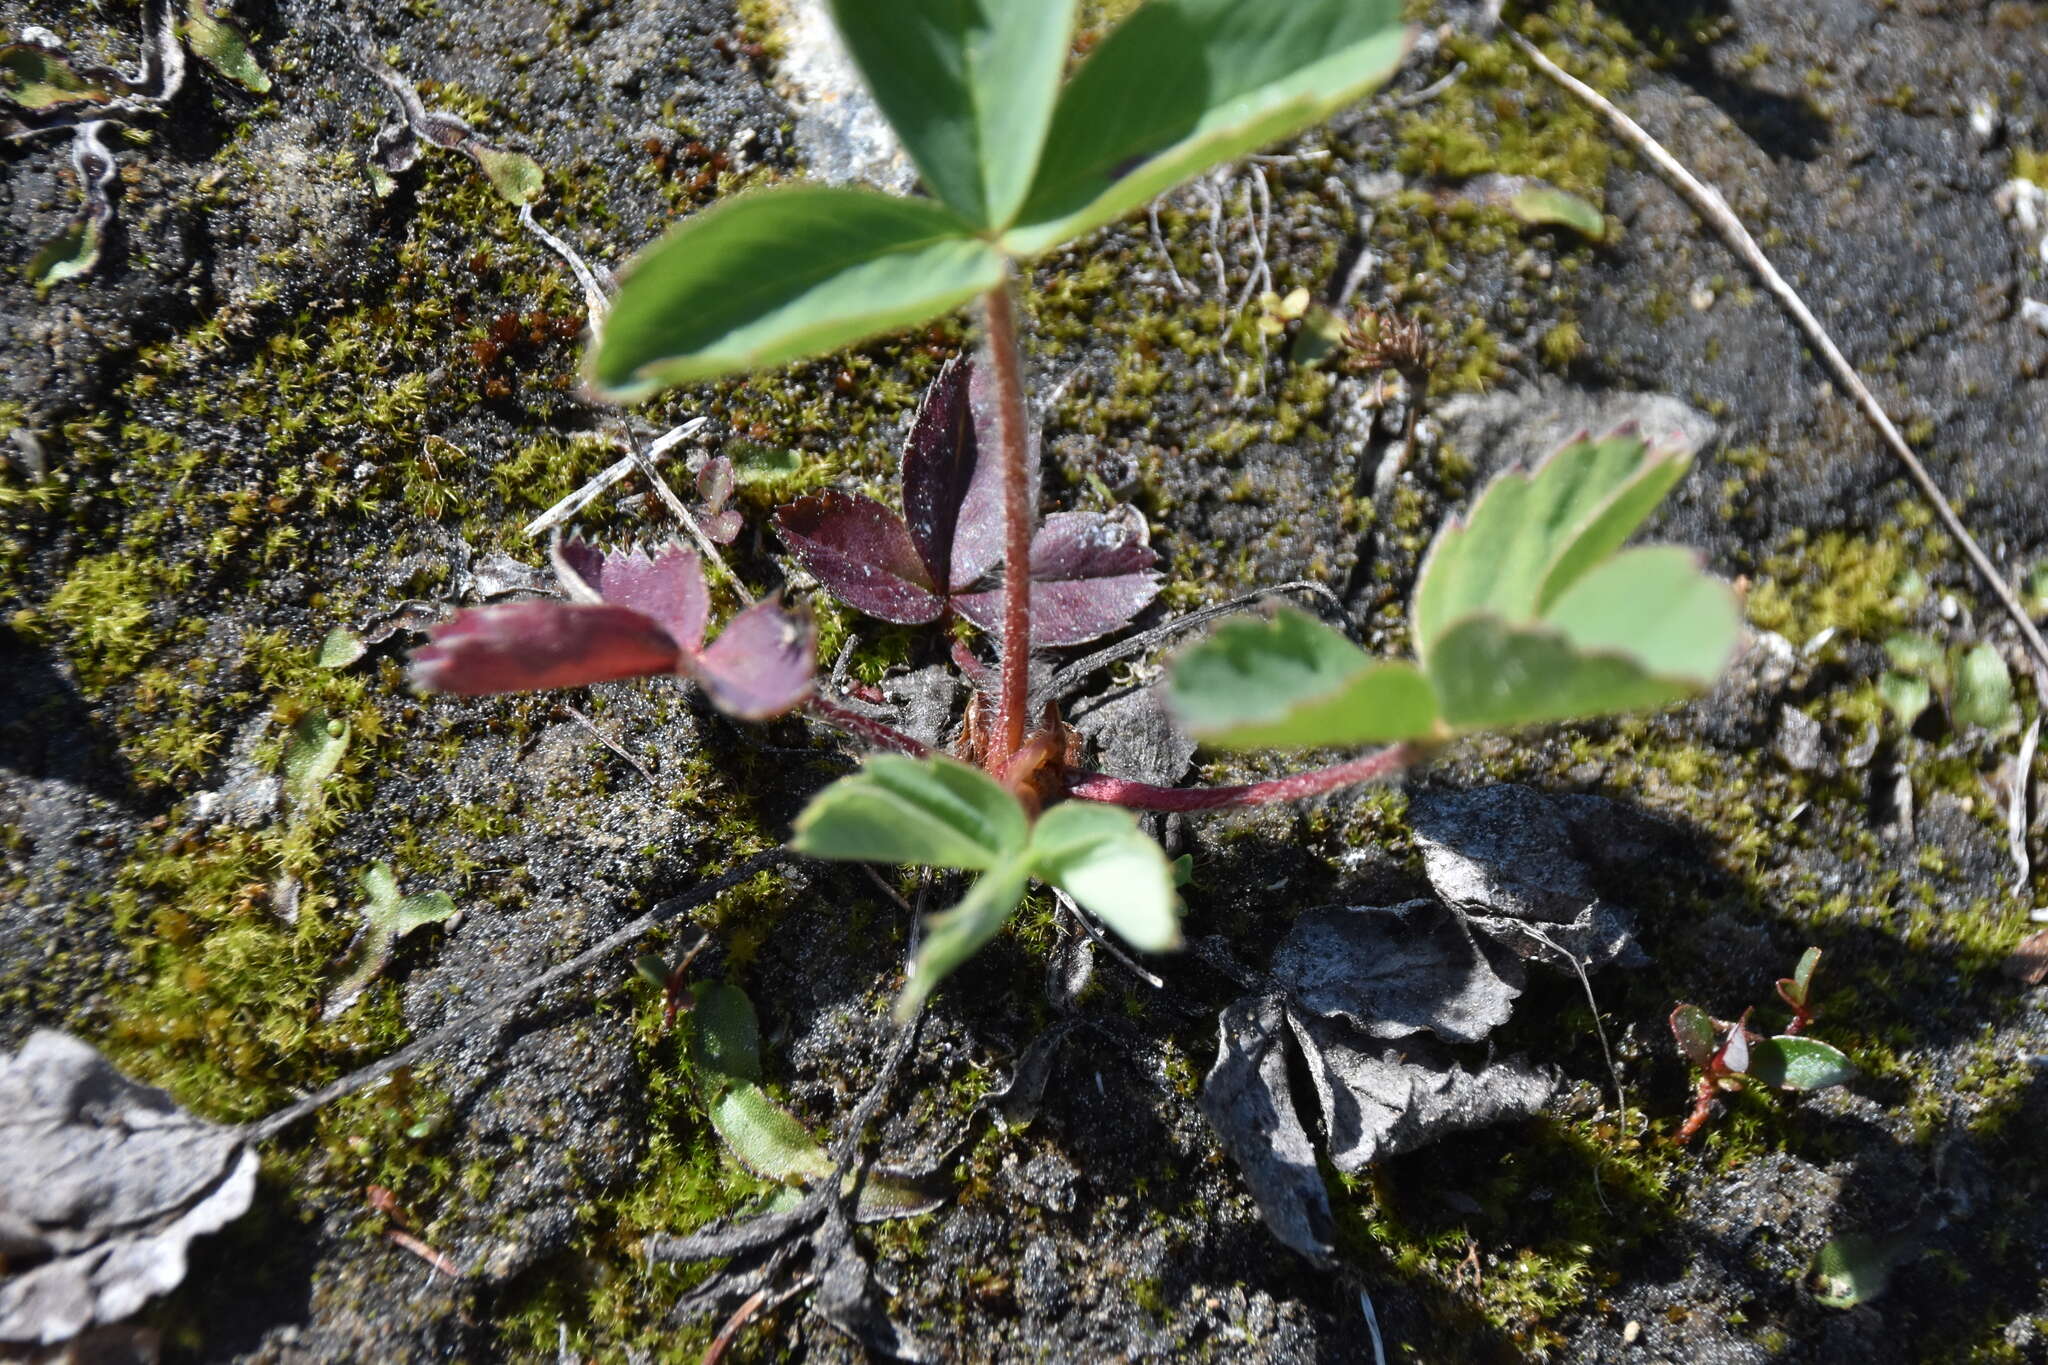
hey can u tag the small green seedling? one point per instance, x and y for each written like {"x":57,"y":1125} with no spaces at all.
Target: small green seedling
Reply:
{"x":1973,"y":683}
{"x":725,"y":1049}
{"x":387,"y":918}
{"x":1730,"y":1056}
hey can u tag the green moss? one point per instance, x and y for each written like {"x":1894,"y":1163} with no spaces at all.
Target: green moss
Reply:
{"x":105,"y":615}
{"x":1561,"y":345}
{"x":1840,"y":581}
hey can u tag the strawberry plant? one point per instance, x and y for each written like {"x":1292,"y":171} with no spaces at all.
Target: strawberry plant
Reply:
{"x":1529,"y":611}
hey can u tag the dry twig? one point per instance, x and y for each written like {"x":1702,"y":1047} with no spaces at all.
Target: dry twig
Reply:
{"x":1709,"y":204}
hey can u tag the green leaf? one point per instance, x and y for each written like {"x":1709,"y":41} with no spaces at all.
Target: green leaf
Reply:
{"x":311,"y":756}
{"x":725,"y":1047}
{"x":953,"y":937}
{"x":396,"y":916}
{"x":1906,"y":696}
{"x":1797,"y":989}
{"x":1654,"y":605}
{"x":1531,"y":535}
{"x":767,"y":1138}
{"x":1793,"y":1062}
{"x":1983,"y":695}
{"x":1099,"y":856}
{"x":776,"y":275}
{"x":969,"y":87}
{"x":36,"y":78}
{"x":223,"y":47}
{"x":1183,"y":85}
{"x":933,"y":811}
{"x":1493,"y":676}
{"x":516,"y":176}
{"x":1917,"y":654}
{"x":72,"y":252}
{"x":760,"y":464}
{"x":1547,"y":206}
{"x":1290,"y":681}
{"x":1693,"y":1029}
{"x":341,"y":648}
{"x":725,"y":1037}
{"x":2035,"y":594}
{"x":1856,"y":1269}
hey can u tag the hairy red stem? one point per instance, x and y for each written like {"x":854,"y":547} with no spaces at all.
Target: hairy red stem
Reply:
{"x":1019,"y":520}
{"x":1117,"y":791}
{"x":873,"y":731}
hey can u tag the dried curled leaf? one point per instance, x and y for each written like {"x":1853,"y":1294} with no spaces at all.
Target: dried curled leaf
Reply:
{"x":103,"y":1185}
{"x":1397,"y":970}
{"x":1248,"y":1101}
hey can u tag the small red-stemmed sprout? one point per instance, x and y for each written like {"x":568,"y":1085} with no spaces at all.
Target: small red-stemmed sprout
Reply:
{"x":1796,"y":991}
{"x":1091,"y":572}
{"x":1721,"y":1057}
{"x":629,"y":614}
{"x":1731,"y":1056}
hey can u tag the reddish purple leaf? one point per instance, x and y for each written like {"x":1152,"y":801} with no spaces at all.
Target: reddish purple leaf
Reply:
{"x":761,"y":664}
{"x":724,"y":527}
{"x":714,"y":483}
{"x":1091,"y":573}
{"x":978,"y":534}
{"x":667,"y":586}
{"x":526,"y":646}
{"x":863,"y":554}
{"x":940,"y":460}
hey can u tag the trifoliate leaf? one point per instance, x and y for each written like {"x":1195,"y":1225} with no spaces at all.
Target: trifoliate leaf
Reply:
{"x":1530,"y":536}
{"x":1525,"y":614}
{"x":934,"y":811}
{"x":1099,"y":856}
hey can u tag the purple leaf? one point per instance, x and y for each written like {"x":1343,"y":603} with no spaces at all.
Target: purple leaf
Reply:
{"x":667,"y":586}
{"x":724,"y":527}
{"x":940,"y":460}
{"x":863,"y":554}
{"x":714,"y":483}
{"x":526,"y":646}
{"x":761,"y":664}
{"x":1091,"y":573}
{"x":978,"y":534}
